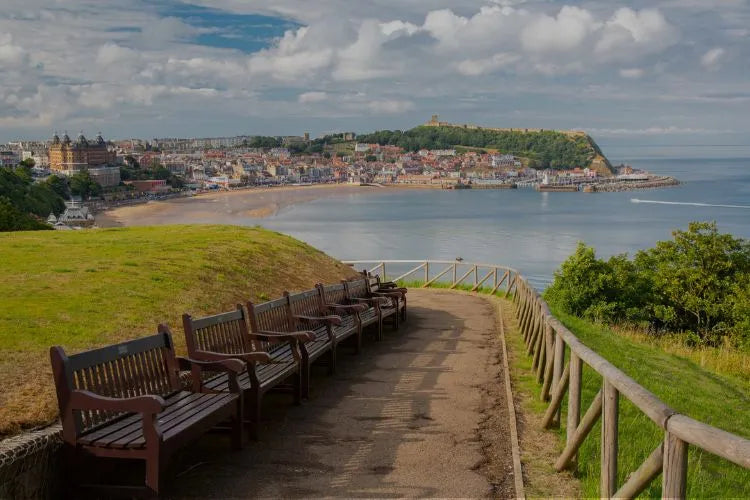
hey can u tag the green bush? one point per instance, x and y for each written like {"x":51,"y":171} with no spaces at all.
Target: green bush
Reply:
{"x":697,"y":283}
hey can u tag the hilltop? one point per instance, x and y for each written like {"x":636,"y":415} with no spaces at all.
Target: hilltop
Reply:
{"x":83,"y":289}
{"x":538,"y":148}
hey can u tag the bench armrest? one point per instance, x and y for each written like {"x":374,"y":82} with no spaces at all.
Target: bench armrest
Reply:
{"x":248,"y":357}
{"x":372,"y":300}
{"x":87,"y":400}
{"x":392,"y":294}
{"x":268,"y":336}
{"x":329,"y":320}
{"x":231,"y":365}
{"x":347,"y":309}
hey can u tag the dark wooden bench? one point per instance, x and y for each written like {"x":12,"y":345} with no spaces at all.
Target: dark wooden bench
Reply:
{"x":353,"y":316}
{"x":126,"y":401}
{"x":338,"y":323}
{"x":358,"y":292}
{"x":275,"y":318}
{"x":388,"y":289}
{"x":272,"y":359}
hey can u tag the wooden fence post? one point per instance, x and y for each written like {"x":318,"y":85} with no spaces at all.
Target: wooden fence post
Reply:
{"x":674,"y":473}
{"x":426,"y":271}
{"x":557,"y":371}
{"x":608,"y":483}
{"x":574,"y":399}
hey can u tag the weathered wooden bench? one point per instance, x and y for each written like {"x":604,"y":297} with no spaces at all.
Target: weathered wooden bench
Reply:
{"x":126,"y":401}
{"x":388,"y":289}
{"x":309,"y":311}
{"x":358,"y":292}
{"x":353,"y":316}
{"x":275,"y":316}
{"x":272,"y":358}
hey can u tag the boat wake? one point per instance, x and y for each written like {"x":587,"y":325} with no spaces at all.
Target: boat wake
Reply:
{"x":656,"y":202}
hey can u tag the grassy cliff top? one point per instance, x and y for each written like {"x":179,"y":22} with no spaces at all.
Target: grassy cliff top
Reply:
{"x":83,"y":289}
{"x":542,"y":148}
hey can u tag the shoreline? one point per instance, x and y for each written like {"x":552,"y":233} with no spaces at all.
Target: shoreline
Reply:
{"x":255,"y":203}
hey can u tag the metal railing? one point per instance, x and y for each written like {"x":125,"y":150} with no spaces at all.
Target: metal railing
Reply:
{"x":547,"y":341}
{"x":453,"y":273}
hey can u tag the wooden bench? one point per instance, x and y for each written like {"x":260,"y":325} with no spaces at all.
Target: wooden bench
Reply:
{"x":388,"y":289}
{"x":358,"y":292}
{"x":272,"y":358}
{"x":310,"y":312}
{"x":353,"y":316}
{"x":275,"y":318}
{"x":126,"y":401}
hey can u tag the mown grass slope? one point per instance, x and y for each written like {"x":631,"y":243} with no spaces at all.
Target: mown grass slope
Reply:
{"x":716,"y":399}
{"x":82,"y":289}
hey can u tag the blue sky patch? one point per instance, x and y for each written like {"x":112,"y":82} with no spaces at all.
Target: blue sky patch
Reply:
{"x":245,"y":32}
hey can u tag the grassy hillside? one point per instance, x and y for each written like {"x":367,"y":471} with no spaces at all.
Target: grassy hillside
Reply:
{"x":543,"y":149}
{"x":722,"y":400}
{"x":82,"y":289}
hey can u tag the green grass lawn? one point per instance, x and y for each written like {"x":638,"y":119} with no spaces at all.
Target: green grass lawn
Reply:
{"x":719,"y":400}
{"x":82,"y":289}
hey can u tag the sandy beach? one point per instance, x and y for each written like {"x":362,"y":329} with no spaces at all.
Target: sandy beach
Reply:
{"x":224,"y":207}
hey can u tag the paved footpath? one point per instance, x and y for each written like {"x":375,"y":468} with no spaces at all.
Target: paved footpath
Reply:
{"x":421,"y":414}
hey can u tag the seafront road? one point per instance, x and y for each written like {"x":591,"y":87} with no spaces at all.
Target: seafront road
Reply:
{"x":420,"y":414}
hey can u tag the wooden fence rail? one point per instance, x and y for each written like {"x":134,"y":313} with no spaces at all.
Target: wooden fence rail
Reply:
{"x":547,"y":340}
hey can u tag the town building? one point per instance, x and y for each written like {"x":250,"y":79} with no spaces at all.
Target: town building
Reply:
{"x":69,"y":156}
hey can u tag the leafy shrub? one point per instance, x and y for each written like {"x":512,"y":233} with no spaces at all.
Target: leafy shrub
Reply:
{"x":697,"y":283}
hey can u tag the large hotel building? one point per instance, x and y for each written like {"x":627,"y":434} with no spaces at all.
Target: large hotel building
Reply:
{"x":68,"y":157}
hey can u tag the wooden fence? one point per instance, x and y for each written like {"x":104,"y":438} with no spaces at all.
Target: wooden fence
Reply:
{"x":557,"y":360}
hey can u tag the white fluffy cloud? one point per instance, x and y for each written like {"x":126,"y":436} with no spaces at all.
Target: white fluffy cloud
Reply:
{"x":309,"y":97}
{"x":712,"y":59}
{"x":67,"y":64}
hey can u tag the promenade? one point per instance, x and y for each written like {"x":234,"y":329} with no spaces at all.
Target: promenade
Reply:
{"x":422,"y":413}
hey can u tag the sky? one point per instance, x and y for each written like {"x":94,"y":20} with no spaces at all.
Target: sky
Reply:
{"x":636,"y":72}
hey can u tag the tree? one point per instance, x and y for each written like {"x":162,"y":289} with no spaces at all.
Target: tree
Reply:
{"x":12,"y":219}
{"x":694,"y":276}
{"x":59,"y":185}
{"x":81,"y":184}
{"x":28,"y":163}
{"x":698,"y":282}
{"x":370,"y":158}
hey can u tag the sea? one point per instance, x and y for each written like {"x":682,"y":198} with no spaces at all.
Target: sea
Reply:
{"x":530,"y":231}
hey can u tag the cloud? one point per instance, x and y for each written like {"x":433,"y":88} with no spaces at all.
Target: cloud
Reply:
{"x":632,"y":73}
{"x":629,"y":34}
{"x":712,"y":59}
{"x":310,"y":97}
{"x":562,"y":33}
{"x":390,"y":106}
{"x":141,"y":64}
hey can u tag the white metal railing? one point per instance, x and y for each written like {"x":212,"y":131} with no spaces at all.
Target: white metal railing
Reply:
{"x":454,"y":273}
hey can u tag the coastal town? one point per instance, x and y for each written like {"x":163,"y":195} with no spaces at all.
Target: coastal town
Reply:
{"x":136,"y":170}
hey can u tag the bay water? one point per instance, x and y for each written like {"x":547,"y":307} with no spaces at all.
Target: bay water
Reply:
{"x":521,"y":228}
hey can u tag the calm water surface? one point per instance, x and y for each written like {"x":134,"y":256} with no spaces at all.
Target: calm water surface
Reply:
{"x":533,"y":232}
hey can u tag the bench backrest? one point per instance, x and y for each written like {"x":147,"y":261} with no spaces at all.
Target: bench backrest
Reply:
{"x":357,"y":289}
{"x":307,"y":303}
{"x":272,"y":316}
{"x":135,"y":368}
{"x":225,"y":333}
{"x":333,"y":294}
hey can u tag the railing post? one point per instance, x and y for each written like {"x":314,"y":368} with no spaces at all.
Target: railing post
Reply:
{"x":674,"y":472}
{"x":455,"y":273}
{"x":574,"y":399}
{"x":611,"y":399}
{"x":426,"y":271}
{"x":385,"y":276}
{"x":557,"y":370}
{"x":476,"y":275}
